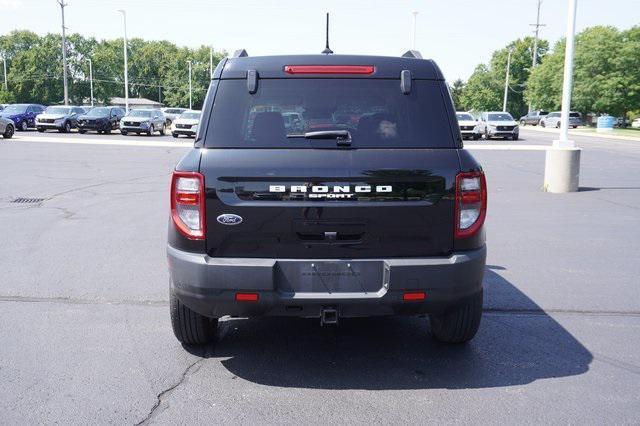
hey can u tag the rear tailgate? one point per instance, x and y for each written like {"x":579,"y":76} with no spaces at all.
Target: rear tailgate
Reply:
{"x":327,"y":203}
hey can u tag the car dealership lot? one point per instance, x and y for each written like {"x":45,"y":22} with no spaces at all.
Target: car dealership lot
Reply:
{"x":86,"y":334}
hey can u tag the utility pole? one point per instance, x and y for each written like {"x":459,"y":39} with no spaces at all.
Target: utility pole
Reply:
{"x":64,"y":53}
{"x":159,"y":94}
{"x":91,"y":80}
{"x":190,"y":88}
{"x":211,"y":62}
{"x":506,"y":81}
{"x":4,"y":62}
{"x":126,"y":63}
{"x":413,"y":30}
{"x":535,"y":41}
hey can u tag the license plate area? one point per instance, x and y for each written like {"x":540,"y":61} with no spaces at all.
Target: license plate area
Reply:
{"x":328,"y":276}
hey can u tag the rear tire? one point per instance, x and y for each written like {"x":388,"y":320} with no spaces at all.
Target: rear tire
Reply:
{"x":190,"y":327}
{"x":175,"y":135}
{"x":8,"y":131}
{"x":459,"y":324}
{"x":123,"y":132}
{"x":82,"y":131}
{"x":542,"y":124}
{"x":40,"y":130}
{"x":24,"y":126}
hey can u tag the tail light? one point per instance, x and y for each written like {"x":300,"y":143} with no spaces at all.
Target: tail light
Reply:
{"x":471,"y":203}
{"x":187,"y":204}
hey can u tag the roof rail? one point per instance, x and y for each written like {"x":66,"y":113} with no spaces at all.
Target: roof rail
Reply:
{"x":240,"y":53}
{"x":412,"y":54}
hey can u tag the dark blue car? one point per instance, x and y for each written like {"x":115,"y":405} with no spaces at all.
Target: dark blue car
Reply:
{"x":23,"y":115}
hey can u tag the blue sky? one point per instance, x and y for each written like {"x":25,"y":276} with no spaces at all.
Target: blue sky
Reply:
{"x":458,"y":34}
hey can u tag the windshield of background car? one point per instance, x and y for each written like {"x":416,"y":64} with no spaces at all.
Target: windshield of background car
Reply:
{"x":465,"y":117}
{"x":57,"y":110}
{"x":374,"y":111}
{"x":98,"y":112}
{"x":15,"y":109}
{"x":500,"y":117}
{"x":141,"y":113}
{"x":190,"y":115}
{"x":173,"y":111}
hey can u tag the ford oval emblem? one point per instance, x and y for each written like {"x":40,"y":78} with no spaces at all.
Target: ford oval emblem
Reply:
{"x":229,"y":219}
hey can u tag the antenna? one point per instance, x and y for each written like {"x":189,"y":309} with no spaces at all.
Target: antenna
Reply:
{"x":326,"y":50}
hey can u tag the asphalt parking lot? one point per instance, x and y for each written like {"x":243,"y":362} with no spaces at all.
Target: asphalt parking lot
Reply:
{"x":86,"y":336}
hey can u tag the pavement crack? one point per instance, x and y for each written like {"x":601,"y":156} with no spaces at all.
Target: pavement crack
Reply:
{"x":161,"y":397}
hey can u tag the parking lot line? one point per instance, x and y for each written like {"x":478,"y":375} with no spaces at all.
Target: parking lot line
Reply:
{"x":184,"y":144}
{"x":87,"y":141}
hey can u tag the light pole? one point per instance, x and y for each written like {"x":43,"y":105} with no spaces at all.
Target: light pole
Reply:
{"x":562,"y":162}
{"x":413,"y":30}
{"x":535,"y":42}
{"x":190,"y":88}
{"x":64,"y":54}
{"x":126,"y":63}
{"x":91,"y":79}
{"x":4,"y":62}
{"x":506,"y":81}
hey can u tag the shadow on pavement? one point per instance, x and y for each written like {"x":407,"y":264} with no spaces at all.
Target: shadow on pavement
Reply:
{"x":398,"y":353}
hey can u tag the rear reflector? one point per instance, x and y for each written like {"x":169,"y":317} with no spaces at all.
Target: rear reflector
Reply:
{"x":416,"y":295}
{"x":329,"y":69}
{"x":246,"y":297}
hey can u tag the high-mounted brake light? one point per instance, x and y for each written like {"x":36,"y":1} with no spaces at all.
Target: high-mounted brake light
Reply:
{"x":329,"y":69}
{"x":187,"y":204}
{"x":471,"y":203}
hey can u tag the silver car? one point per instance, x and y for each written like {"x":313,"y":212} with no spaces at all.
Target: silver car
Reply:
{"x":143,"y":121}
{"x":553,"y":120}
{"x":7,"y":128}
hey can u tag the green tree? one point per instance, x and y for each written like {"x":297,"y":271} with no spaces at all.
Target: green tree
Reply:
{"x":456,"y":89}
{"x":606,"y":77}
{"x":485,"y":88}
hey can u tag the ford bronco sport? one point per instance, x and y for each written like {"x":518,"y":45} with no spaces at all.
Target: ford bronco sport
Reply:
{"x":367,"y":206}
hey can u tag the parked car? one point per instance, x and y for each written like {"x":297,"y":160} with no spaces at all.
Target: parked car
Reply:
{"x":377,"y":214}
{"x":186,"y":124}
{"x":7,"y":128}
{"x":60,"y":118}
{"x":533,"y":118}
{"x":100,"y":119}
{"x":498,"y":124}
{"x":146,"y":121}
{"x":468,"y":126}
{"x":636,"y":123}
{"x":172,"y":113}
{"x":3,"y":106}
{"x":553,"y":120}
{"x":22,"y":115}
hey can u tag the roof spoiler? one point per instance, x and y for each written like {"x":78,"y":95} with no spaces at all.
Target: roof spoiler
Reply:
{"x":412,"y":54}
{"x":240,"y":53}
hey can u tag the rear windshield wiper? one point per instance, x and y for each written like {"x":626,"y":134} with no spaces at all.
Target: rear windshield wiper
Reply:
{"x":342,"y":137}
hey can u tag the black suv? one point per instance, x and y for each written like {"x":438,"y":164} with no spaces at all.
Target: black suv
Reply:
{"x":533,"y":118}
{"x":101,"y":119}
{"x":369,"y":206}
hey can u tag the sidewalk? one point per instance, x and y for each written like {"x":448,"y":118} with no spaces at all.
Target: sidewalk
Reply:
{"x":583,"y":133}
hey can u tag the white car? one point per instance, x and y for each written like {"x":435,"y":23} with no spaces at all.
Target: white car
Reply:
{"x":636,"y":123}
{"x":186,"y":124}
{"x":468,"y":126}
{"x":172,"y":113}
{"x":498,"y":124}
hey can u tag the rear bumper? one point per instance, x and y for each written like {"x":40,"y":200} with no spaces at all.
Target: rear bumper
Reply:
{"x":209,"y":285}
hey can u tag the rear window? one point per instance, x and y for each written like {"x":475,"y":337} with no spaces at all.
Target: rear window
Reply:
{"x":375,"y":112}
{"x":574,"y":114}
